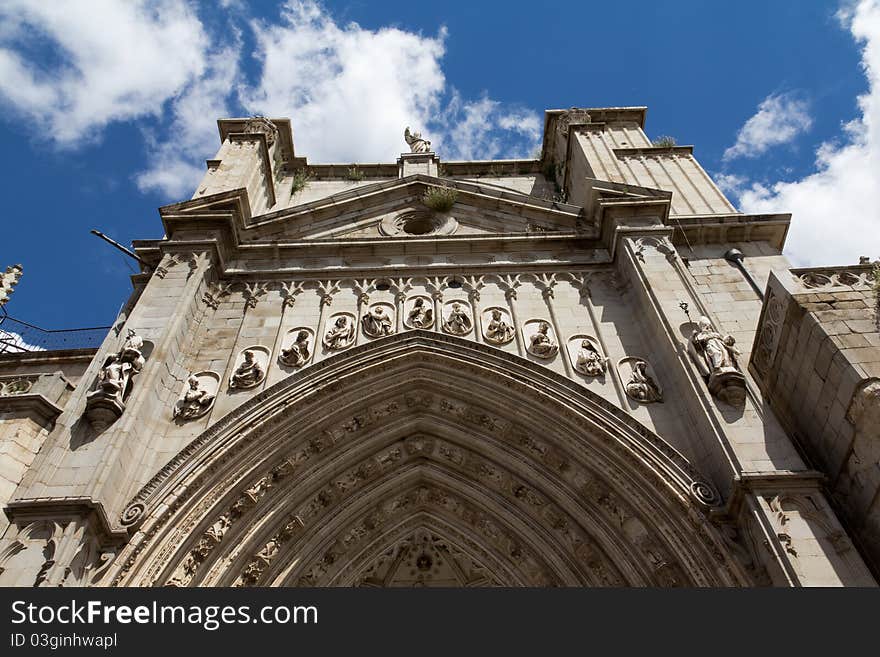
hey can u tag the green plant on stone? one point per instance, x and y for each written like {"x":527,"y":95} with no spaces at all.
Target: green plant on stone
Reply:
{"x":875,"y":286}
{"x":355,"y":174}
{"x":301,"y":179}
{"x":440,"y":199}
{"x":664,"y":142}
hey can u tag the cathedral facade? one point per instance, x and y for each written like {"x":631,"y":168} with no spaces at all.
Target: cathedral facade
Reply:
{"x":586,"y":369}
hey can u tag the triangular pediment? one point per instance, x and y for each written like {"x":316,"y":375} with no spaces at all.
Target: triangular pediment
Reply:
{"x":396,"y":208}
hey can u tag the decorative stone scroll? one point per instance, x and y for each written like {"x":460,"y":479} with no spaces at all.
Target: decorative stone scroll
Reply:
{"x":540,"y":339}
{"x":340,"y":331}
{"x":297,"y":347}
{"x":106,"y":402}
{"x":639,"y":380}
{"x":586,"y":355}
{"x":418,"y":313}
{"x":198,"y":396}
{"x":15,"y":386}
{"x":457,"y":318}
{"x":250,"y":368}
{"x":715,"y":357}
{"x":378,"y":321}
{"x":498,"y":327}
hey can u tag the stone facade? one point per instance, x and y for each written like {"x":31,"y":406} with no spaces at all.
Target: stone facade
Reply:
{"x":531,"y":372}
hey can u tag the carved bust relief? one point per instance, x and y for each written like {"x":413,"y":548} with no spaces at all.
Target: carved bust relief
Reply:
{"x":198,"y":396}
{"x":540,"y":339}
{"x":297,"y":347}
{"x":586,"y":355}
{"x":457,"y":318}
{"x":639,"y":380}
{"x":378,"y":320}
{"x":340,"y":332}
{"x":498,"y":327}
{"x":250,"y":368}
{"x":418,"y":313}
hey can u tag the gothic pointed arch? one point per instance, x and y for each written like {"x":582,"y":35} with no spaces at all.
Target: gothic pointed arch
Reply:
{"x":421,"y":459}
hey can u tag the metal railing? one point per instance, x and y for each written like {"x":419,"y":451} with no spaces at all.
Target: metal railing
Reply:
{"x":17,"y":336}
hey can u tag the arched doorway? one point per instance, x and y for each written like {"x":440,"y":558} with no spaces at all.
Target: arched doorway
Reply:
{"x":422,"y":459}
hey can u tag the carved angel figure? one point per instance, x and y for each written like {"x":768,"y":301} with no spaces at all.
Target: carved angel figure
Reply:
{"x":589,"y":361}
{"x":341,"y":335}
{"x":458,"y":322}
{"x":541,"y":344}
{"x":296,"y":354}
{"x":114,"y":379}
{"x":415,"y":141}
{"x":420,"y":316}
{"x":712,"y":352}
{"x":641,"y":386}
{"x":498,"y":331}
{"x":248,"y":374}
{"x":195,"y":401}
{"x":376,"y":323}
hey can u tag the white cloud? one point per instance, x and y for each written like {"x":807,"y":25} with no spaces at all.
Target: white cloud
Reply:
{"x":779,"y":119}
{"x":110,"y":61}
{"x":836,"y":210}
{"x":349,"y":91}
{"x":177,"y":155}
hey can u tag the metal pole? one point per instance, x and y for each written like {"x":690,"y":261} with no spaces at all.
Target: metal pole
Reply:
{"x":736,"y":257}
{"x":127,"y":252}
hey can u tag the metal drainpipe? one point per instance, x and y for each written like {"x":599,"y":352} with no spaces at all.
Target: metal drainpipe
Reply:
{"x":736,"y":257}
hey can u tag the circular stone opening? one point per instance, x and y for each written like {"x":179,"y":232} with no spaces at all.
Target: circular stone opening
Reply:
{"x":418,"y":225}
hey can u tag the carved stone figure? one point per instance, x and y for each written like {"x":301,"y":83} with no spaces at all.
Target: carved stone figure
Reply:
{"x":499,"y":331}
{"x":457,"y":322}
{"x":420,"y":315}
{"x":589,"y":362}
{"x":715,"y":358}
{"x":297,"y":354}
{"x":541,"y":344}
{"x":196,"y":401}
{"x":340,"y":335}
{"x":106,"y":401}
{"x":248,"y":374}
{"x":377,"y":323}
{"x":641,"y":385}
{"x":415,"y":141}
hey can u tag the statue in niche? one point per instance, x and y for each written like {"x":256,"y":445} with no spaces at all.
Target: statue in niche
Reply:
{"x":340,"y":335}
{"x":377,"y":323}
{"x":106,"y":402}
{"x":415,"y":142}
{"x":458,"y":322}
{"x":498,"y":331}
{"x":296,"y":354}
{"x":114,"y":379}
{"x":248,"y":374}
{"x":715,"y":357}
{"x":196,"y":401}
{"x":420,"y":316}
{"x":589,"y":362}
{"x":641,"y":386}
{"x":541,"y":344}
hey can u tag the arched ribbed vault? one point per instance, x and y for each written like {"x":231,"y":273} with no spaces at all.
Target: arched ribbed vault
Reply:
{"x":419,"y":458}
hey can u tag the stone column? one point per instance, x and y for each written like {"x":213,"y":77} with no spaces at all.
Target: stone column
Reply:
{"x":510,"y":295}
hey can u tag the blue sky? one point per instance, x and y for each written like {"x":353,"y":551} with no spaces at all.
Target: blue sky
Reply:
{"x":781,"y":100}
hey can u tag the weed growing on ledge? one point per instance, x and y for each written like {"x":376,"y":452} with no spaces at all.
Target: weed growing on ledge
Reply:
{"x":300,"y":180}
{"x":664,"y":142}
{"x":440,"y":199}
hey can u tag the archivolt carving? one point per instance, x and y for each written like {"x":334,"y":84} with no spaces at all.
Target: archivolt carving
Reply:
{"x":606,"y":499}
